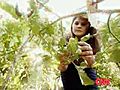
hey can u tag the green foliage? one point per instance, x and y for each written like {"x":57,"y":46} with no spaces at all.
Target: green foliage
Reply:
{"x":16,"y":70}
{"x":19,"y":70}
{"x":8,"y":8}
{"x":12,"y":36}
{"x":69,"y":50}
{"x":72,"y":45}
{"x":108,"y":60}
{"x":110,"y":44}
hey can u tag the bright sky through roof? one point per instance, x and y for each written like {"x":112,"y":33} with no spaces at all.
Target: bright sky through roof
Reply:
{"x":65,"y":7}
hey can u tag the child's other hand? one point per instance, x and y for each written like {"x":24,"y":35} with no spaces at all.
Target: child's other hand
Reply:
{"x":87,"y":53}
{"x":63,"y":62}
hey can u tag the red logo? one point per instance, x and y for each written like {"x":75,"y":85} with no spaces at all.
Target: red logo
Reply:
{"x":102,"y":82}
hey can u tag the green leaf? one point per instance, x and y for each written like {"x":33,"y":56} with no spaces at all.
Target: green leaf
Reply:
{"x":8,"y":8}
{"x":72,"y":45}
{"x":115,"y":55}
{"x":62,"y":43}
{"x":85,"y":38}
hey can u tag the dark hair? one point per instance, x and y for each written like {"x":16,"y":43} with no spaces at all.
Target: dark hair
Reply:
{"x":93,"y":41}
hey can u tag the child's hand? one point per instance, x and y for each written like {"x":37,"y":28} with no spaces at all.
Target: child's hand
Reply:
{"x":87,"y":53}
{"x":62,"y":67}
{"x":63,"y":62}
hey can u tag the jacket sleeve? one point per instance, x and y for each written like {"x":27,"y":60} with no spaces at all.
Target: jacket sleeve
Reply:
{"x":91,"y":73}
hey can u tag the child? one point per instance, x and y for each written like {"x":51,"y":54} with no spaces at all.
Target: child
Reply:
{"x":70,"y":77}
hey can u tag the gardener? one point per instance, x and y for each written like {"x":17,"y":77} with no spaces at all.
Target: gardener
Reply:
{"x":70,"y":78}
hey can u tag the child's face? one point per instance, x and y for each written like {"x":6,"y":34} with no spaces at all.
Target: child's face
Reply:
{"x":80,"y":27}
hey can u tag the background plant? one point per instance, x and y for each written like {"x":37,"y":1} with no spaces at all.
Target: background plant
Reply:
{"x":29,"y":46}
